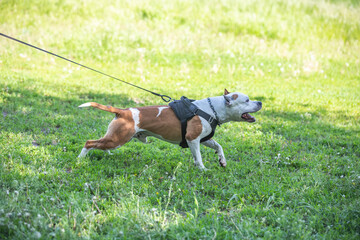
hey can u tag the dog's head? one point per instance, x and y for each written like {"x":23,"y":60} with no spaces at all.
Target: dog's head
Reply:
{"x":239,"y":106}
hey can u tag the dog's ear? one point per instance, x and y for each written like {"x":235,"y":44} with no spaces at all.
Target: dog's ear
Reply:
{"x":228,"y":100}
{"x":226,"y":92}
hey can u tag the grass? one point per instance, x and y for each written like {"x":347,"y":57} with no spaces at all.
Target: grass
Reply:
{"x":294,"y":174}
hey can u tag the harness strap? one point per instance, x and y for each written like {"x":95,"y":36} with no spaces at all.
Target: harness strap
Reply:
{"x":184,"y":115}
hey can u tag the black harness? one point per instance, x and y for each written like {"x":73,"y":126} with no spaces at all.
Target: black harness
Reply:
{"x":185,"y":110}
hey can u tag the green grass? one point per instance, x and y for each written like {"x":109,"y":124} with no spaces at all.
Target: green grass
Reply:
{"x":294,"y":174}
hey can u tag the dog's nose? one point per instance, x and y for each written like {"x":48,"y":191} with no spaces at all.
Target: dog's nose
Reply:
{"x":260,"y":104}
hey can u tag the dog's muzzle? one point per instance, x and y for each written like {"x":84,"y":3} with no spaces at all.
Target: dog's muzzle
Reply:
{"x":247,"y":117}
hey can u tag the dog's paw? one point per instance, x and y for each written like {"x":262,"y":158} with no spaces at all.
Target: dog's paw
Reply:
{"x":83,"y":153}
{"x":200,"y":166}
{"x":222,"y":162}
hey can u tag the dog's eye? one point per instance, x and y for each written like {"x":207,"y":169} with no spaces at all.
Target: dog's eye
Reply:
{"x":247,"y":100}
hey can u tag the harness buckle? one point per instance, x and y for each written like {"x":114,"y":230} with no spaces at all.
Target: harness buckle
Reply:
{"x":211,"y":119}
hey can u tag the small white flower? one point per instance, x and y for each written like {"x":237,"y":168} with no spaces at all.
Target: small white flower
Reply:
{"x":215,"y":68}
{"x":230,"y":53}
{"x":308,"y":115}
{"x":141,"y":50}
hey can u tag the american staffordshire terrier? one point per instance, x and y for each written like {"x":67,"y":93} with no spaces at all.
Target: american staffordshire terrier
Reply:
{"x":162,"y":123}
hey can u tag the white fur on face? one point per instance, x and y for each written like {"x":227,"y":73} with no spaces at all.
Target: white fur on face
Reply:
{"x":244,"y":103}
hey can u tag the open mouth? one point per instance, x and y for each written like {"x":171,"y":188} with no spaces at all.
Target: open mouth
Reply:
{"x":247,"y":117}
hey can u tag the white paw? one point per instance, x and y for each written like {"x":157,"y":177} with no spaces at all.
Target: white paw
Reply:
{"x":83,"y":153}
{"x":222,"y":161}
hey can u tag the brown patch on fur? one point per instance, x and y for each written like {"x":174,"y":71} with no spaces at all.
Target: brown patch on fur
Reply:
{"x":194,"y":128}
{"x":235,"y":96}
{"x":120,"y":131}
{"x":167,"y":125}
{"x":226,"y":92}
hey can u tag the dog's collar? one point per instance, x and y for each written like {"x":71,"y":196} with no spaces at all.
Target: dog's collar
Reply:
{"x":213,"y":109}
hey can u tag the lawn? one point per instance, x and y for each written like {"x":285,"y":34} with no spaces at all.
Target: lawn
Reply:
{"x":294,"y":174}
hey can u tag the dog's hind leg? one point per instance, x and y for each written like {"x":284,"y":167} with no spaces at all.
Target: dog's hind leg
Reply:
{"x":218,"y":149}
{"x":106,"y":143}
{"x":117,"y":135}
{"x":102,"y":144}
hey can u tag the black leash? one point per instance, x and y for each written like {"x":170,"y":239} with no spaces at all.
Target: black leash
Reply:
{"x":163,"y":97}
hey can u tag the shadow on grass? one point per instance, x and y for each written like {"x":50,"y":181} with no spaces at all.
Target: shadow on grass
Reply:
{"x":29,"y":112}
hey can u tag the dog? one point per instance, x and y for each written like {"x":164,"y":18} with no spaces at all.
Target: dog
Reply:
{"x":162,"y":123}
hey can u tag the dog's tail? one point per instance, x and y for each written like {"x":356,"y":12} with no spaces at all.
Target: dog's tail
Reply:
{"x":101,"y":107}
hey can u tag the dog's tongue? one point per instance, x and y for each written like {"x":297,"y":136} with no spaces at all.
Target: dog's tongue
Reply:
{"x":247,"y":117}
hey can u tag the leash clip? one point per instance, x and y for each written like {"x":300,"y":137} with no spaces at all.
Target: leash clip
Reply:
{"x":165,"y":98}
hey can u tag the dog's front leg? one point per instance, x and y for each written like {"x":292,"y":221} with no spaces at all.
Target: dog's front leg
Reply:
{"x":218,"y":149}
{"x":194,"y":146}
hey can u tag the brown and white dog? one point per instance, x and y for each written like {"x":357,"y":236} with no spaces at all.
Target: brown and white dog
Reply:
{"x":161,"y":122}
